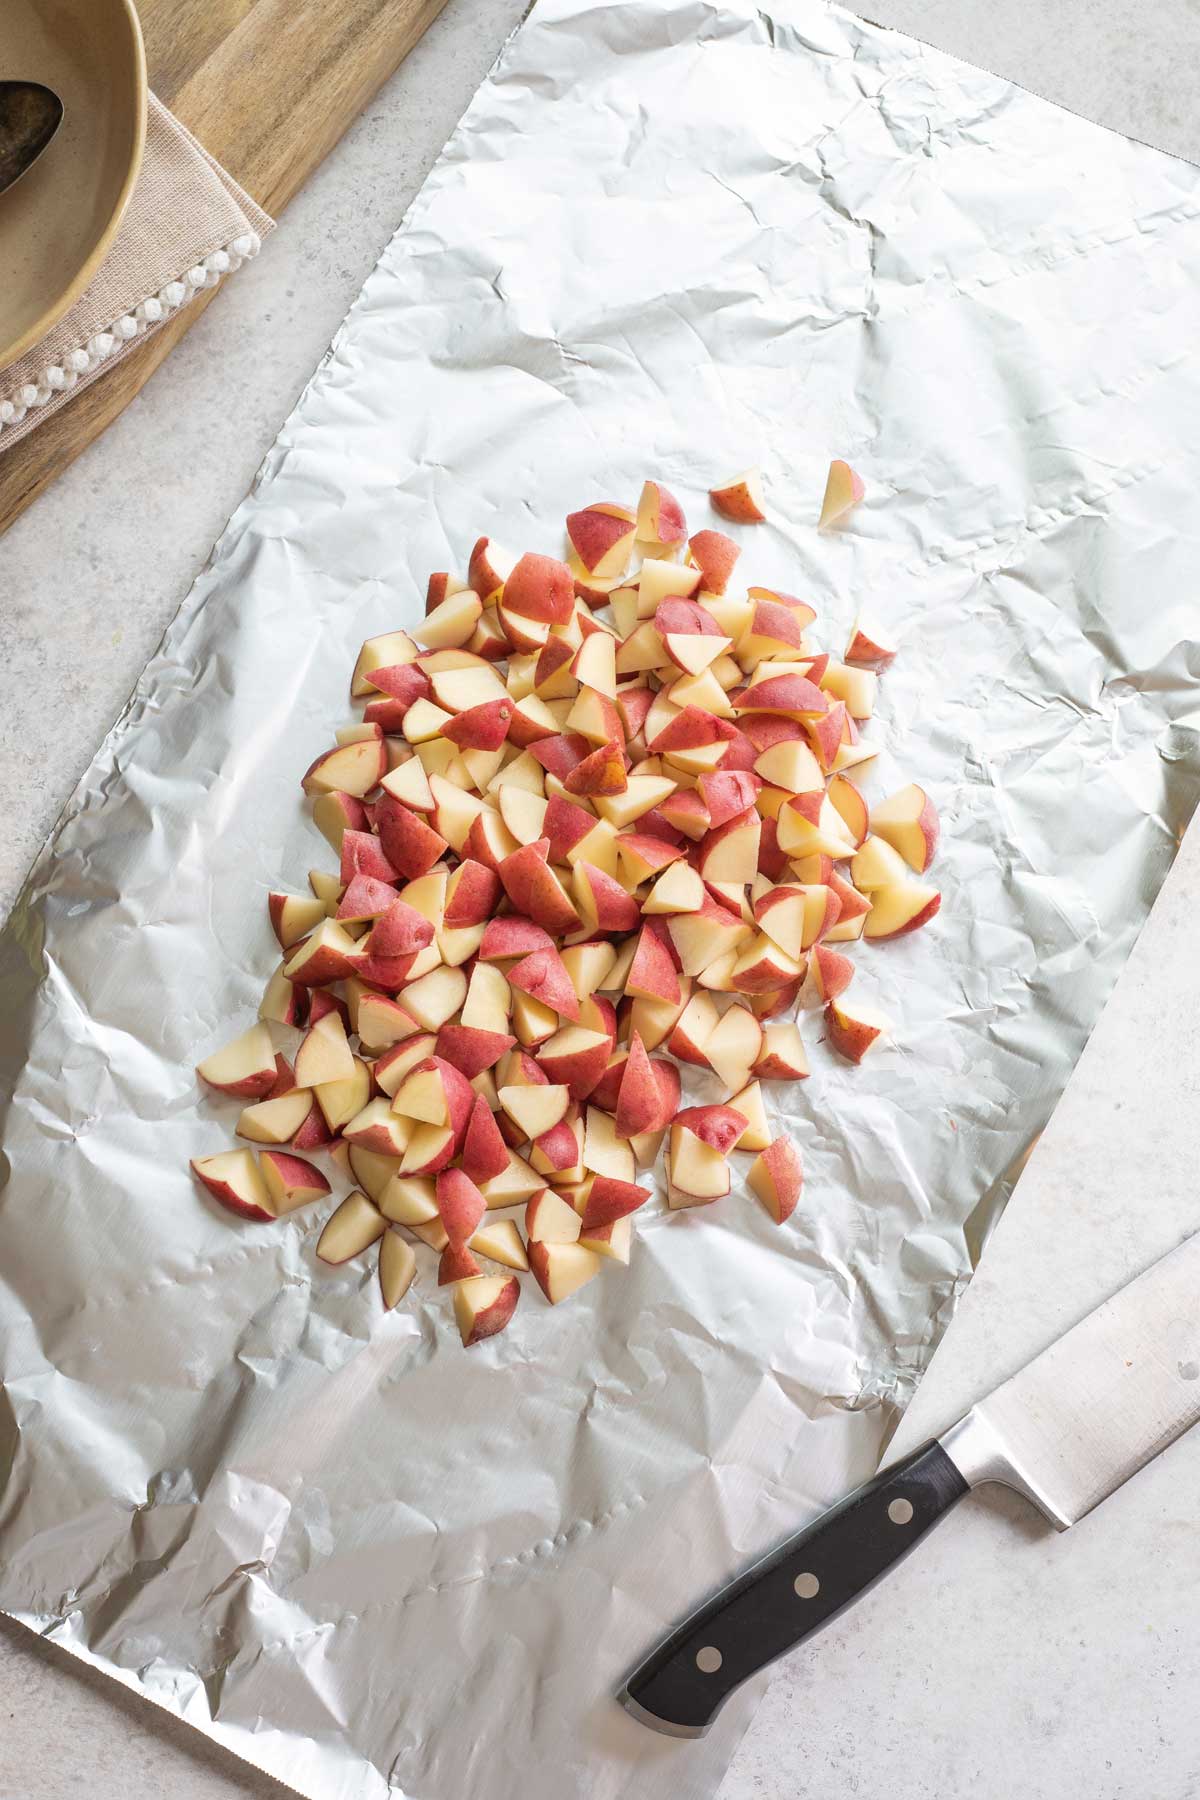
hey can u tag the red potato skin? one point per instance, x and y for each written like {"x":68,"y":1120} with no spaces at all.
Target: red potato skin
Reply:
{"x":457,"y":1263}
{"x":609,"y":1200}
{"x":638,"y":1100}
{"x":495,"y":1317}
{"x":362,"y":854}
{"x":565,"y":825}
{"x":833,"y":972}
{"x":719,"y":833}
{"x":772,"y":1068}
{"x":718,"y":1126}
{"x":683,"y":1050}
{"x":779,"y":623}
{"x":483,"y":727}
{"x":460,"y":1095}
{"x":926,"y":913}
{"x":559,"y":755}
{"x":736,"y":504}
{"x":526,"y":636}
{"x":739,"y":754}
{"x":779,"y":598}
{"x":251,"y":1087}
{"x":551,"y":658}
{"x":484,"y":1153}
{"x":808,"y":805}
{"x":559,"y":1146}
{"x":633,"y":704}
{"x":400,"y":932}
{"x":285,"y":1079}
{"x":478,"y":848}
{"x":513,"y":936}
{"x":403,"y":682}
{"x":365,"y":898}
{"x":534,"y":888}
{"x":728,"y":794}
{"x":480,"y":569}
{"x":410,"y":845}
{"x":603,"y":772}
{"x":714,"y":555}
{"x":490,"y":639}
{"x":765,"y":730}
{"x":593,"y":534}
{"x":852,"y":902}
{"x":670,"y":524}
{"x":351,"y":811}
{"x":326,"y":755}
{"x":578,"y":1071}
{"x":771,"y":860}
{"x":525,"y":731}
{"x":295,"y":1173}
{"x":610,"y":716}
{"x":473,"y":896}
{"x":655,"y":852}
{"x":387,"y":973}
{"x":616,"y":910}
{"x":224,"y":1196}
{"x":405,"y":1049}
{"x":657,"y":924}
{"x":472,"y":1050}
{"x":530,"y":1072}
{"x":510,"y":1131}
{"x":652,"y":824}
{"x":687,"y":618}
{"x":825,"y":734}
{"x":776,"y":1000}
{"x":460,"y":1206}
{"x":607,"y":1089}
{"x":688,"y":730}
{"x":652,"y":971}
{"x":864,"y":653}
{"x":387,"y":713}
{"x":788,"y":694}
{"x":607,"y":1016}
{"x":781,"y":1162}
{"x":543,"y":976}
{"x":313,"y":1134}
{"x":849,"y":1043}
{"x":669,"y":1088}
{"x":541,"y":587}
{"x":685,"y":811}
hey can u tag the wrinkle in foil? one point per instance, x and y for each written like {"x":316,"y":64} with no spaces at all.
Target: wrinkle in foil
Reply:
{"x":671,"y":239}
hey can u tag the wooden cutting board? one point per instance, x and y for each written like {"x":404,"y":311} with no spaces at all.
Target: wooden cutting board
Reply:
{"x":268,"y":86}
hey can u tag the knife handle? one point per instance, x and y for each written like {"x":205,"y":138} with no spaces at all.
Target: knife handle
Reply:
{"x":791,"y":1593}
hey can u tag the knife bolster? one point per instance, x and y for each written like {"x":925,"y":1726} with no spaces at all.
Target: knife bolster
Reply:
{"x":979,"y":1453}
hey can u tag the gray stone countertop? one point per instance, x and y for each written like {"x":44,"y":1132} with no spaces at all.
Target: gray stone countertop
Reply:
{"x":1002,"y":1660}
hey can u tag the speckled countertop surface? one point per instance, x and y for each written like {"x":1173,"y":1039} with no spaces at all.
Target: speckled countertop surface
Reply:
{"x":1001,"y":1660}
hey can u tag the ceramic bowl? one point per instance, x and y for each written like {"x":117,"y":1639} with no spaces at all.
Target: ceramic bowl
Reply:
{"x":58,"y":221}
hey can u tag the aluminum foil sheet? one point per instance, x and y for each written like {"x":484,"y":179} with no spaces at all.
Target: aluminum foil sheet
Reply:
{"x":671,"y":238}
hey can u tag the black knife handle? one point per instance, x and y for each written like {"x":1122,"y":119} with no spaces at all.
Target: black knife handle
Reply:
{"x":791,"y":1593}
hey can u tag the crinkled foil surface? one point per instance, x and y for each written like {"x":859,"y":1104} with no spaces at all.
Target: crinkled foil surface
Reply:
{"x":673,"y":238}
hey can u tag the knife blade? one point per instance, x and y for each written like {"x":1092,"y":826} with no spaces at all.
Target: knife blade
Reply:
{"x":1068,"y":1429}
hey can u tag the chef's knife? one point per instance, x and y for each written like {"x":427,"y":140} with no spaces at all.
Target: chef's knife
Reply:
{"x":1071,"y":1426}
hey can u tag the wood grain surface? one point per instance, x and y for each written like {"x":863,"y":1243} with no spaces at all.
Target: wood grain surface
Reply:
{"x":268,"y":86}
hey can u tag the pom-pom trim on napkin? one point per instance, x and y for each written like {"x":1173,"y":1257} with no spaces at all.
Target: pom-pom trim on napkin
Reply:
{"x":60,"y":377}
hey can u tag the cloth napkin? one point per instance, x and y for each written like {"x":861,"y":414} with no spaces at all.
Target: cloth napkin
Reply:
{"x":187,"y":225}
